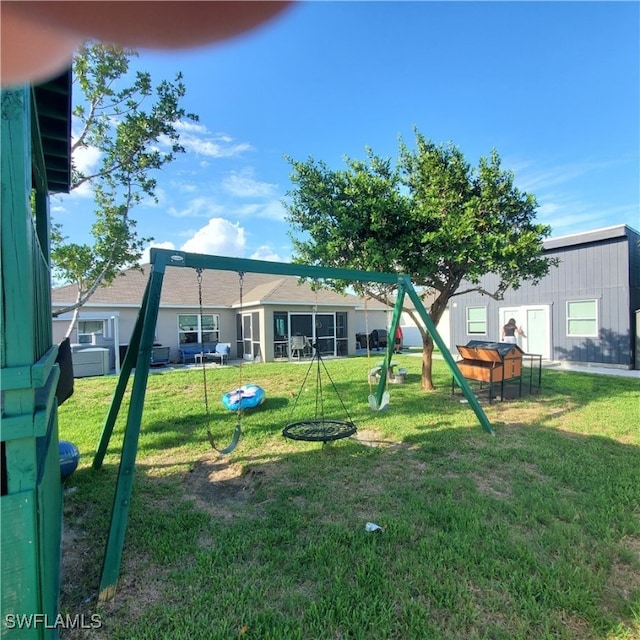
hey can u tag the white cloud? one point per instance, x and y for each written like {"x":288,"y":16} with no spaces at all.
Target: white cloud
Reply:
{"x":185,"y":126}
{"x":219,"y":237}
{"x":274,"y":210}
{"x":265,"y":252}
{"x":87,"y":159}
{"x":248,"y":210}
{"x":242,"y":184}
{"x":563,"y":194}
{"x":201,"y":207}
{"x":214,"y":148}
{"x":145,"y":258}
{"x":160,"y":200}
{"x":195,"y":137}
{"x":567,"y":214}
{"x":268,"y":211}
{"x":534,"y":180}
{"x":207,"y":207}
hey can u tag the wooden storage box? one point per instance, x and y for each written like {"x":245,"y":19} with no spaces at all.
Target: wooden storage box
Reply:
{"x":496,"y":360}
{"x":490,"y":362}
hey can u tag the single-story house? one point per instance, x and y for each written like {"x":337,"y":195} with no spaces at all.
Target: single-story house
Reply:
{"x":274,"y":310}
{"x":585,"y":310}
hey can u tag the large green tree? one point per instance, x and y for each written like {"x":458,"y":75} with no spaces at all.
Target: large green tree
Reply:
{"x":431,"y":216}
{"x":125,"y":120}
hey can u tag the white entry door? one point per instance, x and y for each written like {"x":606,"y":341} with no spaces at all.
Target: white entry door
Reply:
{"x":535,"y":321}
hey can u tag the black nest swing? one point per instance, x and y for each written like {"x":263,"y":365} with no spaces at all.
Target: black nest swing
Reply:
{"x":319,"y":428}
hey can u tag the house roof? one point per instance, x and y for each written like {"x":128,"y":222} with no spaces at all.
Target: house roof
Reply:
{"x":587,"y":237}
{"x":219,"y":289}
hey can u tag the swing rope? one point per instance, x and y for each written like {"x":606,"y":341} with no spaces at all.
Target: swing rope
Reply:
{"x":237,"y":432}
{"x":319,"y":428}
{"x":319,"y":400}
{"x":366,"y":337}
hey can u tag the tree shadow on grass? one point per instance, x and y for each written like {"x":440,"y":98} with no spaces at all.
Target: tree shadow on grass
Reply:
{"x":561,"y":393}
{"x":484,"y":516}
{"x":411,"y":481}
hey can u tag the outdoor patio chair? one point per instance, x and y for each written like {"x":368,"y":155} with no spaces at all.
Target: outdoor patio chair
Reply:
{"x":298,"y":344}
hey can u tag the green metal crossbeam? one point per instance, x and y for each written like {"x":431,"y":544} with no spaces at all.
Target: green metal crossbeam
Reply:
{"x":167,"y":257}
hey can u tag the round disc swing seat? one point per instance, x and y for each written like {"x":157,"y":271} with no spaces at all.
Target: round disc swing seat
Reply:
{"x":323,"y":430}
{"x":319,"y":428}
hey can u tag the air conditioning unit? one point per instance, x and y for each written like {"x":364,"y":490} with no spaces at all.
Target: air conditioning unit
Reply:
{"x":93,"y":361}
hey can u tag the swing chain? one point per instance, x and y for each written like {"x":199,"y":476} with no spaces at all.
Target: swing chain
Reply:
{"x":241,"y":283}
{"x":373,"y":402}
{"x":237,"y":431}
{"x":204,"y":368}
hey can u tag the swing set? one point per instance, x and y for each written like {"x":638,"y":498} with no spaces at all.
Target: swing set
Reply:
{"x":139,"y":356}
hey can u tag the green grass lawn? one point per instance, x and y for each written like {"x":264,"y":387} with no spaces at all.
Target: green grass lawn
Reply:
{"x":534,"y":533}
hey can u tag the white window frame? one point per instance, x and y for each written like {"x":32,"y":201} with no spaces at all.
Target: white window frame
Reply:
{"x":468,"y":321}
{"x":88,"y":335}
{"x":197,"y":329}
{"x":595,"y":318}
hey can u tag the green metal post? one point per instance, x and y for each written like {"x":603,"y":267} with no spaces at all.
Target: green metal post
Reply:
{"x":122,"y":499}
{"x":446,"y":354}
{"x":121,"y":387}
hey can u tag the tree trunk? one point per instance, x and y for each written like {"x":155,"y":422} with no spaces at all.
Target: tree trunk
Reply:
{"x":74,"y":318}
{"x":427,"y":360}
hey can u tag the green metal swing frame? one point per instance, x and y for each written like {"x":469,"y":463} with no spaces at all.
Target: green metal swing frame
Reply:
{"x":141,"y":346}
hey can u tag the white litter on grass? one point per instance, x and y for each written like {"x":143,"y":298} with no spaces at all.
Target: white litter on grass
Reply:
{"x":372,"y":526}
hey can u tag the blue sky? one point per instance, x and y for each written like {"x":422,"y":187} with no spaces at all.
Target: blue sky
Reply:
{"x":553,"y":86}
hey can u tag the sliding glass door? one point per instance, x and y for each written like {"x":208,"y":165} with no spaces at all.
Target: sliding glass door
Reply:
{"x":320,"y":329}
